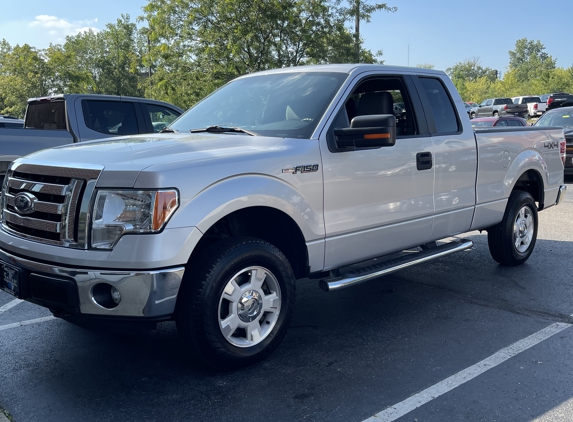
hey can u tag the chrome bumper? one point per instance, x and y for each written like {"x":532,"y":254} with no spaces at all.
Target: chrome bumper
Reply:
{"x":561,"y":194}
{"x":143,"y":293}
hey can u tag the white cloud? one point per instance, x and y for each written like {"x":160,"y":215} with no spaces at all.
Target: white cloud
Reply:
{"x":60,"y":28}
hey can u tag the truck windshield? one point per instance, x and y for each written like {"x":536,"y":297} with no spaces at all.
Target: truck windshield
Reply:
{"x":558,"y":118}
{"x":283,"y":105}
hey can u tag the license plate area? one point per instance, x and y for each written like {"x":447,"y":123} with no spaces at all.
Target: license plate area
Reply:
{"x":10,"y":279}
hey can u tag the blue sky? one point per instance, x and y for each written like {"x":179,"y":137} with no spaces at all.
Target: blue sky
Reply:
{"x":438,"y":32}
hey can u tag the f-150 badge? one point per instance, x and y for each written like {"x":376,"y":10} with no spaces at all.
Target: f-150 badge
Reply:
{"x":306,"y":168}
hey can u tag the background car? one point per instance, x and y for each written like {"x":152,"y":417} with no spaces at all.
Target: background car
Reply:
{"x":473,"y":110}
{"x":498,"y":121}
{"x":11,"y":122}
{"x":561,"y":117}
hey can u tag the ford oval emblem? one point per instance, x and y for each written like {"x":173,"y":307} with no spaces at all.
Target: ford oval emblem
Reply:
{"x":24,"y":203}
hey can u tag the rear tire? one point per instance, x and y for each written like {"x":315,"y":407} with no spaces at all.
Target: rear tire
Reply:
{"x":511,"y":241}
{"x":236,"y":302}
{"x":495,"y":114}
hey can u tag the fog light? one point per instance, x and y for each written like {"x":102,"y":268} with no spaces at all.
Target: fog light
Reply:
{"x":115,"y":295}
{"x":105,"y":295}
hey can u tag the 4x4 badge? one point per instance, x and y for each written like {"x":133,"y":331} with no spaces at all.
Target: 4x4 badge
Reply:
{"x":306,"y":168}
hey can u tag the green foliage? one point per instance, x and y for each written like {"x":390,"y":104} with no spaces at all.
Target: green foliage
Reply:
{"x":425,"y":66}
{"x":530,"y":61}
{"x":107,"y":62}
{"x":23,"y":74}
{"x":188,"y":48}
{"x":195,"y":46}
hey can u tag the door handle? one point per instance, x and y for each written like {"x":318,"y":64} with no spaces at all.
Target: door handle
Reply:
{"x":424,"y":160}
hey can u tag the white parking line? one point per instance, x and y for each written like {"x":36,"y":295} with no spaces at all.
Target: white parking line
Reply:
{"x":10,"y":305}
{"x":29,"y":322}
{"x":400,"y":409}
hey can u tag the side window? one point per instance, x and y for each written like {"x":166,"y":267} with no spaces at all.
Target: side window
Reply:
{"x":515,"y":123}
{"x":110,"y":117}
{"x":516,"y":101}
{"x":502,"y":123}
{"x":489,"y":102}
{"x":441,"y":105}
{"x":377,"y":96}
{"x":161,"y":116}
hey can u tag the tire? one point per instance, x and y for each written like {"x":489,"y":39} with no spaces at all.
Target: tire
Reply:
{"x":511,"y":241}
{"x":236,"y":302}
{"x":495,"y":114}
{"x":472,"y":115}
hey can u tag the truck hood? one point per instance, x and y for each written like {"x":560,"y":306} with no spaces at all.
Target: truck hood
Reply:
{"x":124,"y":159}
{"x":141,"y":151}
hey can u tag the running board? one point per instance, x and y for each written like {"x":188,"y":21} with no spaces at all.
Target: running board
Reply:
{"x":361,"y":275}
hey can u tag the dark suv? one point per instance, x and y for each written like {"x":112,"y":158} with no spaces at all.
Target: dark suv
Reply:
{"x":556,"y":100}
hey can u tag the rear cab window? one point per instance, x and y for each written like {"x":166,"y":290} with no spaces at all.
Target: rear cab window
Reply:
{"x":46,"y":115}
{"x":441,"y":106}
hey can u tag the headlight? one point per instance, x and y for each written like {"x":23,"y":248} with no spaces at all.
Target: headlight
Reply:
{"x":117,"y":212}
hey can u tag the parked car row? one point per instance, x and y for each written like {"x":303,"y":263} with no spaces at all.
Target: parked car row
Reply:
{"x":481,"y":122}
{"x":526,"y":106}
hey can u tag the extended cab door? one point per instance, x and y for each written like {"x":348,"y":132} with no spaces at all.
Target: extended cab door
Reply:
{"x":378,"y":200}
{"x":454,"y":153}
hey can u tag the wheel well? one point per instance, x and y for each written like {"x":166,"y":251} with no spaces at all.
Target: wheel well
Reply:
{"x":531,"y":182}
{"x":268,"y":224}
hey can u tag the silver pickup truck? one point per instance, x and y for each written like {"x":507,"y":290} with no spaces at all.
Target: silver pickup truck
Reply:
{"x":65,"y":119}
{"x":298,"y":173}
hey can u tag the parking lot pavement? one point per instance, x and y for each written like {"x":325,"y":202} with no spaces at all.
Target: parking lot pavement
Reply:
{"x":348,"y":356}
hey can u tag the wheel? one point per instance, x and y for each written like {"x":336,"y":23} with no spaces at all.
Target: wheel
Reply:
{"x":495,"y":114}
{"x":512,"y":240}
{"x":473,"y":115}
{"x":236,"y":302}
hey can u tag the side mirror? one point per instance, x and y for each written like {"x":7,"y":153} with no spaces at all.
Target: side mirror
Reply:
{"x":374,"y":131}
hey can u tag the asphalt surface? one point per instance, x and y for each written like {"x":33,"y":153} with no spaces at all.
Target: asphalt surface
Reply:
{"x":348,"y":355}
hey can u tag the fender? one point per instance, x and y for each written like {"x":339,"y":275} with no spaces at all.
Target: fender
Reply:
{"x":249,"y":190}
{"x":529,"y":159}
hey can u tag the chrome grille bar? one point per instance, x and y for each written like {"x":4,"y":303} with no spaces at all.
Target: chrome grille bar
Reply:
{"x":61,"y":199}
{"x":36,"y":187}
{"x":32,"y":223}
{"x":39,"y":206}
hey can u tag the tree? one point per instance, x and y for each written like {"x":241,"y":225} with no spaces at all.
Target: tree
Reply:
{"x":529,"y":60}
{"x":425,"y":66}
{"x":471,"y":79}
{"x":23,"y":74}
{"x":106,"y":62}
{"x":470,"y":70}
{"x":195,"y":46}
{"x":360,"y":10}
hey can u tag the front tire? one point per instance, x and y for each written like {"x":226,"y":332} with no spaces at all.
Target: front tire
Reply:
{"x":511,"y":241}
{"x":236,"y":302}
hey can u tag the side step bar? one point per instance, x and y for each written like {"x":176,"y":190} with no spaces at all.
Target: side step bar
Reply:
{"x":373,"y":271}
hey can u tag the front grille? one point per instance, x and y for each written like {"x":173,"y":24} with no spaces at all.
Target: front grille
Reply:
{"x":56,"y":194}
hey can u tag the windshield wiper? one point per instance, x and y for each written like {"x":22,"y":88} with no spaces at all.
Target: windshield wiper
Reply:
{"x":223,"y":129}
{"x":168,"y":130}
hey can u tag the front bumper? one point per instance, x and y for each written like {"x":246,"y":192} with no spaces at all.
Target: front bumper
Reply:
{"x":72,"y":291}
